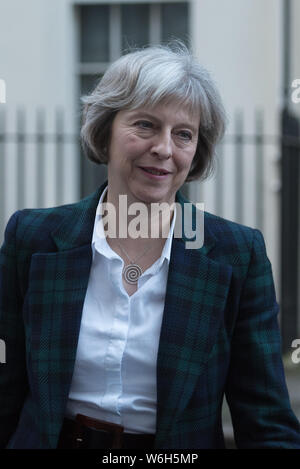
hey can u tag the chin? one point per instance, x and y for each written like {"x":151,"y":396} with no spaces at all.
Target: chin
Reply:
{"x":149,"y":198}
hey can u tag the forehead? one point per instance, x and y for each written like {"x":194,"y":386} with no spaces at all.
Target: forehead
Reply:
{"x":173,"y":112}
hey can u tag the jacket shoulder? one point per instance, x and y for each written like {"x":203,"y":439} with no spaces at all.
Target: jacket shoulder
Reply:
{"x":228,"y":230}
{"x":233,"y":241}
{"x":32,"y":227}
{"x":224,"y":232}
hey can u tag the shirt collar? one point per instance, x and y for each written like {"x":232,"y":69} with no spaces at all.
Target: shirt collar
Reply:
{"x":100,"y":244}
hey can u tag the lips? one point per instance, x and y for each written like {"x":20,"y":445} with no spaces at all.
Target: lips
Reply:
{"x":155,"y":171}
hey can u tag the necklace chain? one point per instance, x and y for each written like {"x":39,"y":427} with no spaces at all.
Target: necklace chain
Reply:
{"x":130,"y":260}
{"x":132,"y":272}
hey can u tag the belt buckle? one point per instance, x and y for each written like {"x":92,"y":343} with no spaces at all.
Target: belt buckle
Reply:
{"x":85,"y":421}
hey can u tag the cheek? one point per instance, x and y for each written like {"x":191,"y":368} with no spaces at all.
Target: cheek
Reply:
{"x":136,"y":147}
{"x":122,"y":151}
{"x":185,"y":160}
{"x":191,"y":156}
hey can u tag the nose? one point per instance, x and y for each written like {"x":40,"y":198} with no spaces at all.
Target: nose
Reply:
{"x":162,"y":146}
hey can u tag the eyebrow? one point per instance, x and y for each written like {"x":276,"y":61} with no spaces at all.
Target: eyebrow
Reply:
{"x":137,"y":113}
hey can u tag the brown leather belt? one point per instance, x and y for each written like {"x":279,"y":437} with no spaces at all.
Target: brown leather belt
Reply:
{"x":89,"y":433}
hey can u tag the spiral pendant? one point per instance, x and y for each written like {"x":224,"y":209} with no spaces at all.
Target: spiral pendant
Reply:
{"x":132,"y":273}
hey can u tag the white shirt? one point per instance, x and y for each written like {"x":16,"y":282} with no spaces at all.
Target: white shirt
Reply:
{"x":114,"y":376}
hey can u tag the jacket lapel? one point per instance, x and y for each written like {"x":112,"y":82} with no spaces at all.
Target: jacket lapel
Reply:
{"x":196,"y":294}
{"x":58,"y":284}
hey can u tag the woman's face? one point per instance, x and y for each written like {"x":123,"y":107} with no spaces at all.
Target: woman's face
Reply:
{"x":147,"y":140}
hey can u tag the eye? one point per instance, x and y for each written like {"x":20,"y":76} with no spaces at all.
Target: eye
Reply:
{"x":142,"y":124}
{"x":185,"y":135}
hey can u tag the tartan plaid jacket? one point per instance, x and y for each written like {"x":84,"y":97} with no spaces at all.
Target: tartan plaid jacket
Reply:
{"x":219,"y":333}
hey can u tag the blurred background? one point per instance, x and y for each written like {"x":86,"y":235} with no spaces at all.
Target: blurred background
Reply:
{"x":52,"y":52}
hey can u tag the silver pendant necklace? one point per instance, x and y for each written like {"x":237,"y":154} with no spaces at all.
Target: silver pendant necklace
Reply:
{"x":132,"y":272}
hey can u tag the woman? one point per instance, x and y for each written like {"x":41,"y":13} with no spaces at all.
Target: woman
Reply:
{"x":114,"y":340}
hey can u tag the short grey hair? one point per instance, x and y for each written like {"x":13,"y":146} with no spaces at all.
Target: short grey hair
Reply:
{"x":151,"y":76}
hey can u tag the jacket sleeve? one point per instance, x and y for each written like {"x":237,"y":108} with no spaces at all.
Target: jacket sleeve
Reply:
{"x":13,"y":381}
{"x":256,"y":391}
